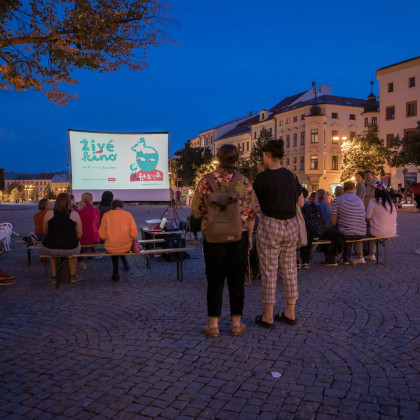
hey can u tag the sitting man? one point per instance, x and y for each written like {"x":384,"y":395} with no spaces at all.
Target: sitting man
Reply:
{"x":347,"y":223}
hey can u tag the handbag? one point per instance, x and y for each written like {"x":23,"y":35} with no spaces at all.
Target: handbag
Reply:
{"x":302,"y":235}
{"x":135,"y":246}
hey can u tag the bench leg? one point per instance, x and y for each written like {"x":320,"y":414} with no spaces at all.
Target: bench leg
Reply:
{"x":61,"y":271}
{"x":28,"y":252}
{"x":377,"y":251}
{"x":148,"y":262}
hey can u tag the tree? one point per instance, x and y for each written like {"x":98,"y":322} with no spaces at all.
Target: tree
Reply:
{"x":364,"y":152}
{"x":202,"y":170}
{"x":189,"y":160}
{"x":43,"y":42}
{"x":49,"y":193}
{"x":256,"y":154}
{"x":407,"y":150}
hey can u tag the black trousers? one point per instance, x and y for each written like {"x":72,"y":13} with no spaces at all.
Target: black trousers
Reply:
{"x":338,"y":244}
{"x":115,"y":260}
{"x":226,"y":261}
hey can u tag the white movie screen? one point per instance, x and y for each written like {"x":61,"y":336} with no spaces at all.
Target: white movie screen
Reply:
{"x":132,"y":165}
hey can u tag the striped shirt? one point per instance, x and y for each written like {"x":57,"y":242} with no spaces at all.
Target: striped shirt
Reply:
{"x":350,"y":212}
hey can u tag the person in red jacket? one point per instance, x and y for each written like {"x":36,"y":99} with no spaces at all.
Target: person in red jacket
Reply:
{"x":90,"y":223}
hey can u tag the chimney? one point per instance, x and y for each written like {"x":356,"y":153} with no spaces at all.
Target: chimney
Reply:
{"x":250,"y":113}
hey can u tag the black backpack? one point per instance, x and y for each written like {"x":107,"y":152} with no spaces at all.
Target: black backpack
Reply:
{"x":174,"y":240}
{"x":315,"y":223}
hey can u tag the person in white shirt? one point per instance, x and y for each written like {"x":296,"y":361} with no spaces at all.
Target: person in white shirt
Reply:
{"x":382,"y":217}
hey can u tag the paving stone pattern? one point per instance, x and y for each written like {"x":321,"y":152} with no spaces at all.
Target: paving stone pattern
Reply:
{"x":135,"y":349}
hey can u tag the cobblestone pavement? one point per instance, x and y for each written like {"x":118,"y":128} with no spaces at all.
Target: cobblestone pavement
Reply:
{"x":135,"y":349}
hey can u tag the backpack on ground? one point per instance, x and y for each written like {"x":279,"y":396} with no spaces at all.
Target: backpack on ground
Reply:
{"x":174,"y":240}
{"x":315,"y":223}
{"x":224,"y":222}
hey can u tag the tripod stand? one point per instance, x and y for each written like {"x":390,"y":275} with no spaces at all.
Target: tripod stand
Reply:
{"x":171,"y":214}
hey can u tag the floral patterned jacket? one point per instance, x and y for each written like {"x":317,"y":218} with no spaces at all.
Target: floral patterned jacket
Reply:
{"x":248,"y":199}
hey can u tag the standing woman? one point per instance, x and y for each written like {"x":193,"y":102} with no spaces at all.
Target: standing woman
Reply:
{"x":226,"y":260}
{"x":278,"y":191}
{"x":118,"y":229}
{"x":63,"y":229}
{"x":90,"y":221}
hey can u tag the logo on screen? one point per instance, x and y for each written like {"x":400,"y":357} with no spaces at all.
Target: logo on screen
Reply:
{"x":95,"y":151}
{"x":147,"y":159}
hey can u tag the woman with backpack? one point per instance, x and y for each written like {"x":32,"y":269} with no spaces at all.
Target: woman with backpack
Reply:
{"x":227,"y":203}
{"x":279,"y":193}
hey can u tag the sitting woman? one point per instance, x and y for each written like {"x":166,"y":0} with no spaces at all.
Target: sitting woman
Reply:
{"x":118,"y":229}
{"x":90,"y":222}
{"x":43,"y":206}
{"x":63,"y":229}
{"x":382,"y":217}
{"x":105,"y":204}
{"x":322,"y":201}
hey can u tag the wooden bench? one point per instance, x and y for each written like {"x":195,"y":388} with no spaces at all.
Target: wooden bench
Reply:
{"x":378,"y":241}
{"x":61,"y":261}
{"x":30,"y":248}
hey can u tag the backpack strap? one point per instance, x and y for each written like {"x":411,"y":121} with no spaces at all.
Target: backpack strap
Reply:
{"x":215,"y":188}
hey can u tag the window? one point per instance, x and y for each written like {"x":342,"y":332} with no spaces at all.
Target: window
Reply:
{"x":352,"y":135}
{"x":302,"y":117}
{"x":255,"y":134}
{"x":352,"y":116}
{"x":390,"y":87}
{"x":411,"y":109}
{"x":294,"y":139}
{"x":374,"y":121}
{"x":247,"y":146}
{"x":287,"y":120}
{"x":390,"y":113}
{"x":287,"y":163}
{"x":334,"y":163}
{"x":335,"y":137}
{"x":302,"y":163}
{"x":366,"y":122}
{"x":411,"y":81}
{"x":409,"y":133}
{"x":314,"y":161}
{"x":295,"y":163}
{"x":389,"y":140}
{"x":288,"y":140}
{"x":280,"y":123}
{"x":302,"y":138}
{"x":334,"y":115}
{"x":295,"y":119}
{"x":314,"y":135}
{"x":270,"y":130}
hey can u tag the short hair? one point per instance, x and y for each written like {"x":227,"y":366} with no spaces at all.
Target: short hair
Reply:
{"x":117,"y":204}
{"x":361,"y":174}
{"x":62,"y":203}
{"x":348,"y":186}
{"x":86,"y":198}
{"x":227,"y":156}
{"x":275,"y":148}
{"x":107,"y":198}
{"x":338,"y":190}
{"x":305,"y":192}
{"x":42,"y":204}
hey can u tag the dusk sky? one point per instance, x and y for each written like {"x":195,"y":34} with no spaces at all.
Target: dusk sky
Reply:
{"x":232,"y":57}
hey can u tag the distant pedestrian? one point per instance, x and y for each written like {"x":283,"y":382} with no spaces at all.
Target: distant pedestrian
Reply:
{"x":279,"y":192}
{"x":226,"y":259}
{"x":360,"y":185}
{"x":370,"y":182}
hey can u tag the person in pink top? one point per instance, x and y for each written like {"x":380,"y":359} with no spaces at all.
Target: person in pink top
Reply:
{"x":90,"y":222}
{"x":118,"y":229}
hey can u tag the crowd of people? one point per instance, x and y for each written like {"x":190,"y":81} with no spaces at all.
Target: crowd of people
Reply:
{"x":270,"y":204}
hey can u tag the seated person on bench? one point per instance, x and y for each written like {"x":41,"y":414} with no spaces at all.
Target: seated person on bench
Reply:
{"x":63,"y":229}
{"x":118,"y":229}
{"x":43,"y":206}
{"x":382,"y":217}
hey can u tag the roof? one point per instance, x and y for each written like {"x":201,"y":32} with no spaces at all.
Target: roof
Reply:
{"x":225,"y":123}
{"x":396,"y":64}
{"x":286,"y":102}
{"x":243,"y":127}
{"x":54,"y":176}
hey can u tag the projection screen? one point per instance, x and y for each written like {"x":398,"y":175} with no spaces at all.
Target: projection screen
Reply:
{"x":134,"y":166}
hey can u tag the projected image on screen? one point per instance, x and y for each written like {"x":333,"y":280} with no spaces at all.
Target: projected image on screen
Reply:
{"x":119,"y":161}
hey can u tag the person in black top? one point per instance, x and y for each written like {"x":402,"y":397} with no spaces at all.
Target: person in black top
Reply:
{"x":105,"y":204}
{"x":63,"y":229}
{"x":279,"y":192}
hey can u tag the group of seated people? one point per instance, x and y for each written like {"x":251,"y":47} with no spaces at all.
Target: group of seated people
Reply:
{"x":347,"y":218}
{"x":64,"y":229}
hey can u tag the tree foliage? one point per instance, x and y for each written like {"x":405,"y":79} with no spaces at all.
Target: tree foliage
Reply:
{"x":49,"y":193}
{"x":364,"y":152}
{"x":406,"y":150}
{"x":189,"y":160}
{"x":43,"y":42}
{"x":256,"y":154}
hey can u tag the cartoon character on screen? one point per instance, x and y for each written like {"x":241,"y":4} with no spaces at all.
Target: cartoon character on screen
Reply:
{"x":147,"y":159}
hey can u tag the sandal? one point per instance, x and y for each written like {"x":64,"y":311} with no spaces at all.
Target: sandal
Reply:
{"x":259,"y":321}
{"x":283,"y":318}
{"x":211,"y":332}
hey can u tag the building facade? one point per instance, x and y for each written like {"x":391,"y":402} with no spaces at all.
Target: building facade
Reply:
{"x":399,"y":97}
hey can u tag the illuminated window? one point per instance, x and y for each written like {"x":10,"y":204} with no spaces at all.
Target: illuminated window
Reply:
{"x":314,"y":135}
{"x":334,"y":163}
{"x":335,"y":137}
{"x":314,"y":161}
